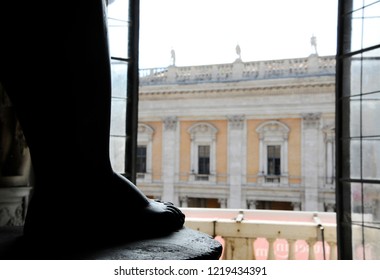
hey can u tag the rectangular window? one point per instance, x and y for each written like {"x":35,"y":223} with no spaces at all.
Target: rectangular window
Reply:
{"x":274,"y":160}
{"x":203,"y":159}
{"x":141,"y":159}
{"x":203,"y":163}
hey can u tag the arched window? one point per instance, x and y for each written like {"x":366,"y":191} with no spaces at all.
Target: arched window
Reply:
{"x":273,"y":151}
{"x":203,"y":152}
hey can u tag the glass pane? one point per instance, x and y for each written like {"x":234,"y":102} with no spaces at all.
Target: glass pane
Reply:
{"x":371,"y":108}
{"x":352,"y":66}
{"x":119,"y":72}
{"x":371,"y":24}
{"x":118,"y":9}
{"x":117,"y":153}
{"x":204,"y":151}
{"x":356,"y":30}
{"x":118,"y":38}
{"x":141,"y":159}
{"x":355,"y":159}
{"x":371,"y":70}
{"x":366,"y":220}
{"x":118,"y":114}
{"x":357,"y":4}
{"x":368,"y":2}
{"x":355,"y":116}
{"x":371,"y":158}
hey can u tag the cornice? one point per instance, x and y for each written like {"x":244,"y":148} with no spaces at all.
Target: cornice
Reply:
{"x":249,"y":90}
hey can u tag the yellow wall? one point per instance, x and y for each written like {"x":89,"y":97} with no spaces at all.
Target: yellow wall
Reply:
{"x":156,"y":150}
{"x":294,"y":149}
{"x":221,"y":149}
{"x":185,"y":150}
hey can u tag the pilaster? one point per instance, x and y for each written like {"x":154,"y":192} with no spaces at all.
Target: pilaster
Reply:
{"x":236,"y":158}
{"x":310,"y":154}
{"x":170,"y":152}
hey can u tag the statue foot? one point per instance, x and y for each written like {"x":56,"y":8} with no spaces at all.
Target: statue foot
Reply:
{"x":112,"y":211}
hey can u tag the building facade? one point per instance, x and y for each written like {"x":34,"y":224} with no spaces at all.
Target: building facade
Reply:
{"x":256,"y":135}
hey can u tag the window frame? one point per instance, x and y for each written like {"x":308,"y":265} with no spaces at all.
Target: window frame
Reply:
{"x":273,"y":133}
{"x":202,"y":134}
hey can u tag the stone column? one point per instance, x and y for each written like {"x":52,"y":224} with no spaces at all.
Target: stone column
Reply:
{"x":236,"y":156}
{"x":330,"y":158}
{"x":330,"y":207}
{"x":252,"y":204}
{"x":183,"y":201}
{"x":222,"y":202}
{"x":169,"y":158}
{"x":296,"y":206}
{"x":310,"y":156}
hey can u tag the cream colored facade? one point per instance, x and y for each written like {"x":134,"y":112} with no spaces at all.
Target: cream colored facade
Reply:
{"x":240,"y":110}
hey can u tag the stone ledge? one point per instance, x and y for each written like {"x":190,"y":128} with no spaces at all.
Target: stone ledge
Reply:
{"x":185,"y":244}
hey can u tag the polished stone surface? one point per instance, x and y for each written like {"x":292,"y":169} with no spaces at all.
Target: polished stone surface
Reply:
{"x":185,"y":244}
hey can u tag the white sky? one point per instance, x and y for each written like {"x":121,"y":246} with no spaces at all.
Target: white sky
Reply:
{"x":207,"y":31}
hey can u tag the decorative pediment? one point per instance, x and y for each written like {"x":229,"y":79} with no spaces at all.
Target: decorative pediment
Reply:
{"x":272,"y":129}
{"x":202,"y":130}
{"x":145,"y":132}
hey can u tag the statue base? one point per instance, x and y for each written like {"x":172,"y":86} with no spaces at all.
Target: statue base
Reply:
{"x":185,"y":244}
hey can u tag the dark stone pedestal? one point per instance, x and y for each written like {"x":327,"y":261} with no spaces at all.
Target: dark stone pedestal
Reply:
{"x":186,"y":244}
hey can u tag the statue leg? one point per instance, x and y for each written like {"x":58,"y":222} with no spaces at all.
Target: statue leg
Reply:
{"x":60,"y":87}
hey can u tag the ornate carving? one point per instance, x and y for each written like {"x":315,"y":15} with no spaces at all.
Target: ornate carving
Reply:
{"x":8,"y":218}
{"x":203,"y":129}
{"x":16,"y":220}
{"x":170,"y":123}
{"x":4,"y":216}
{"x":236,"y":121}
{"x":329,"y":133}
{"x":311,"y":120}
{"x":273,"y":128}
{"x":145,"y":129}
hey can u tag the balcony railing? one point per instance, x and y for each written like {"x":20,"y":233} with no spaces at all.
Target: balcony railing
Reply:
{"x":268,"y":234}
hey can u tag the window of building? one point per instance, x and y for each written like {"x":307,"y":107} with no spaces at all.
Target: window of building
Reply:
{"x":203,"y":202}
{"x":274,"y":160}
{"x":144,"y":153}
{"x":273,"y":151}
{"x":203,"y":152}
{"x":203,"y":161}
{"x":141,"y":160}
{"x":123,"y":39}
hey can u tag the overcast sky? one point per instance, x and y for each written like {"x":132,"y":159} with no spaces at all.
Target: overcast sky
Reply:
{"x":207,"y":31}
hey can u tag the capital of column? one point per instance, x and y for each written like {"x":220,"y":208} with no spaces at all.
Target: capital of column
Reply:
{"x":170,"y":123}
{"x":236,"y":121}
{"x":311,"y":120}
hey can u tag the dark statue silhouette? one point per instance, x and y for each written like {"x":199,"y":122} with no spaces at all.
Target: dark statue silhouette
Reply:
{"x":55,"y":67}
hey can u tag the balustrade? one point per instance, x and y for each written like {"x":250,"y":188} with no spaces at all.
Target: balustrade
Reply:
{"x":271,"y":69}
{"x":268,"y":235}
